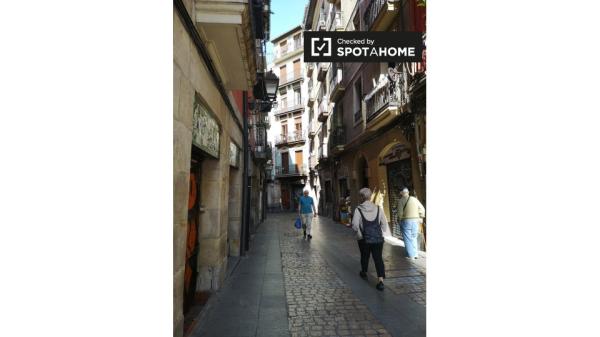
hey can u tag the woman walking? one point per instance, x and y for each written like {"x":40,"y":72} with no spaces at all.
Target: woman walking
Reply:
{"x":370,"y":225}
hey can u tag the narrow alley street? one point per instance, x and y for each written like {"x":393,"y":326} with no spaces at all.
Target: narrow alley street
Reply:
{"x":288,"y":286}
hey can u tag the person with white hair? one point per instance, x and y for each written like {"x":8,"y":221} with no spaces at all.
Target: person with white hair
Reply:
{"x":306,"y":210}
{"x":410,"y":214}
{"x":371,"y":226}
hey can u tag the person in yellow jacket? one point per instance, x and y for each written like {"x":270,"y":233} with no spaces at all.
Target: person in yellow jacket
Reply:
{"x":410,"y":213}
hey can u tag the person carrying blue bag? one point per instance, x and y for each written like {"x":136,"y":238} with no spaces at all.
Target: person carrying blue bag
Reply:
{"x":306,"y":210}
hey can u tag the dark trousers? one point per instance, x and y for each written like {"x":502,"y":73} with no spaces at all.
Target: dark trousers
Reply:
{"x":365,"y":251}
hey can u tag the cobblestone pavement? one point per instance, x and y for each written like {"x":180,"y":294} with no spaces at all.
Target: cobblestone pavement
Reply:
{"x":289,"y":286}
{"x":319,"y":303}
{"x":402,"y":276}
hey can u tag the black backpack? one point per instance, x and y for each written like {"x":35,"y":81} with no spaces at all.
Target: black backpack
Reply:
{"x":371,"y":230}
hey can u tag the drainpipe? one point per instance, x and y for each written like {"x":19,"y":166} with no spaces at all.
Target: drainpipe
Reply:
{"x":245,"y":189}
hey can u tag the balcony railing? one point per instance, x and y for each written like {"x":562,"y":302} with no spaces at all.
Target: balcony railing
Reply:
{"x":324,"y":110}
{"x":335,"y":21}
{"x":281,"y":52}
{"x":291,"y":170}
{"x":312,"y":129}
{"x":310,"y":66}
{"x":262,"y":151}
{"x":323,"y":152}
{"x":261,"y":119}
{"x":322,"y":23}
{"x":294,"y":137}
{"x":335,"y":81}
{"x":337,"y":138}
{"x":373,"y":11}
{"x":287,"y":108}
{"x":323,"y":66}
{"x":290,"y":78}
{"x":313,"y":161}
{"x":388,"y":93}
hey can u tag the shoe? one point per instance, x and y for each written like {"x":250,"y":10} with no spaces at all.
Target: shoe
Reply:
{"x":379,"y":286}
{"x":363,"y":275}
{"x":309,"y":236}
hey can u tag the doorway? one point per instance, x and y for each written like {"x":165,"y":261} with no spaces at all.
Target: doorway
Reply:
{"x":399,"y":176}
{"x":191,"y":301}
{"x":285,"y":162}
{"x":285,"y":197}
{"x":299,"y":161}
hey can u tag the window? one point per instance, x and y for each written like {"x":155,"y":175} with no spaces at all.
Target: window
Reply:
{"x":297,"y":41}
{"x":284,"y":130}
{"x":283,"y":73}
{"x":282,"y":47}
{"x":357,"y":100}
{"x":298,"y":122}
{"x":297,"y":96}
{"x":297,"y":68}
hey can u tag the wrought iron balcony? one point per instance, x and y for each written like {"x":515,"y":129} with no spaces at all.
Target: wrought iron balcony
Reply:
{"x":261,"y":119}
{"x":337,"y":139}
{"x":323,"y":66}
{"x":262,"y":151}
{"x":282,"y":52}
{"x":387,"y":94}
{"x":310,"y":66}
{"x":312,"y":129}
{"x":322,"y":23}
{"x":291,"y":77}
{"x":311,"y":93}
{"x":380,"y":13}
{"x":336,"y":21}
{"x":291,"y":171}
{"x":313,"y":161}
{"x":290,"y":139}
{"x":335,"y":82}
{"x":281,"y":109}
{"x":324,"y":110}
{"x":323,"y":152}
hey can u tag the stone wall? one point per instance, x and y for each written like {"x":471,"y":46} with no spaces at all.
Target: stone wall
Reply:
{"x":218,"y":230}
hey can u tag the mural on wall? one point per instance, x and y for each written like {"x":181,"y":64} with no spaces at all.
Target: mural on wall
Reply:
{"x":234,"y":155}
{"x":206,"y":131}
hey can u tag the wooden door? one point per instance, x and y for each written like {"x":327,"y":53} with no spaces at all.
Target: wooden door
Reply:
{"x":192,"y":247}
{"x":285,"y":197}
{"x":298,"y":161}
{"x":285,"y":162}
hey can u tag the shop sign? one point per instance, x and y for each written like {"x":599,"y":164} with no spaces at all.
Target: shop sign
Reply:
{"x":398,"y":152}
{"x":234,"y":155}
{"x":206,"y":130}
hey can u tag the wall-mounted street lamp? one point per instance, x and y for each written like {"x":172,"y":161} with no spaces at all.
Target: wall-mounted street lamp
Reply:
{"x":271,"y":85}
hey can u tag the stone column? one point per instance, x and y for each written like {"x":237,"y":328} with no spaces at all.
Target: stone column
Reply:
{"x":235,"y":210}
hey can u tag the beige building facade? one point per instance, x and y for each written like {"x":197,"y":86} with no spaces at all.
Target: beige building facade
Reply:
{"x":215,"y":62}
{"x":372,"y":115}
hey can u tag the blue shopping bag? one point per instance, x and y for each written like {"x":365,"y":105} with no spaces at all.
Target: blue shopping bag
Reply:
{"x":298,"y":223}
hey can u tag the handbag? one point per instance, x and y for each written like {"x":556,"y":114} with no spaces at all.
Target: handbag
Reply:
{"x":298,"y":223}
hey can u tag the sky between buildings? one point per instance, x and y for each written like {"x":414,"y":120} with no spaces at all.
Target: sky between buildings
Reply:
{"x":286,"y":15}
